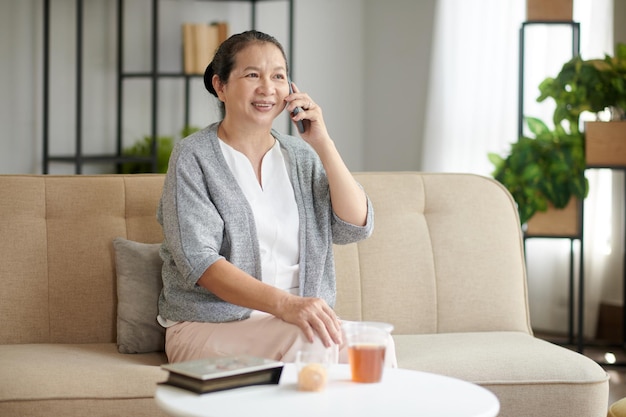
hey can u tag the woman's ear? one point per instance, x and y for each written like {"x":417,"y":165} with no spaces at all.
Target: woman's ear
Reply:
{"x":218,"y":86}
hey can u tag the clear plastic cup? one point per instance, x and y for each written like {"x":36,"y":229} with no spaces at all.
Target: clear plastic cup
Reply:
{"x":367,"y":343}
{"x":312,"y":366}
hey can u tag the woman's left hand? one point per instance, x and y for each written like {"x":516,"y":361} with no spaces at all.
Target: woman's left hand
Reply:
{"x":311,"y":115}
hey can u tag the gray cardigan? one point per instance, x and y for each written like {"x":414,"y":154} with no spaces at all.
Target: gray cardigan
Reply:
{"x":206,"y":217}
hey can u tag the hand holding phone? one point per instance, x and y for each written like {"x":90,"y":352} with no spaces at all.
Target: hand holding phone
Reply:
{"x":297,"y":110}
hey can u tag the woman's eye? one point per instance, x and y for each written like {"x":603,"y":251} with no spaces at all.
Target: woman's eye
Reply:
{"x":252,"y":75}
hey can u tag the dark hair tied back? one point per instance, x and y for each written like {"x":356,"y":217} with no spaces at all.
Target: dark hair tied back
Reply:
{"x":224,"y":59}
{"x":208,"y":79}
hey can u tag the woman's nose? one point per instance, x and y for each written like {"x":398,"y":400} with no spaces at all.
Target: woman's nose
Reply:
{"x":266,"y":86}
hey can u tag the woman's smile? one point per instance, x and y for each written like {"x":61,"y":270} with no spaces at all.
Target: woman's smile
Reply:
{"x":263,"y":105}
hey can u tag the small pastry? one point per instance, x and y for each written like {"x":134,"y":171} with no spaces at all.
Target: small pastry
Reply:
{"x":312,"y":377}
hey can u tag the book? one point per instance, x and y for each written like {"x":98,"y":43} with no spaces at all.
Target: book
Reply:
{"x":221,"y":373}
{"x":223,"y":31}
{"x":189,"y":49}
{"x":206,"y":43}
{"x":200,"y":41}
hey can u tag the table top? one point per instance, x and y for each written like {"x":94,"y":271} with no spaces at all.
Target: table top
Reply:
{"x":401,"y":392}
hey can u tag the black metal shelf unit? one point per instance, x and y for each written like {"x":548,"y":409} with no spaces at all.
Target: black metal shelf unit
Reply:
{"x":575,"y":26}
{"x":79,"y":158}
{"x":579,"y":342}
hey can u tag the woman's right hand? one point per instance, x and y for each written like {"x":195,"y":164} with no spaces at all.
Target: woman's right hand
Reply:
{"x":313,"y":316}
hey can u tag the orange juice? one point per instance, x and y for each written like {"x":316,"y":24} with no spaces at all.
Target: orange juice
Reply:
{"x":366,"y":362}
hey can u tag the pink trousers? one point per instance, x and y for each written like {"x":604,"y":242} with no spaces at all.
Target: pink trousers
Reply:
{"x":261,"y":335}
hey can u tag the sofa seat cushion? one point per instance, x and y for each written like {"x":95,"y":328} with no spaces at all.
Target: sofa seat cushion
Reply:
{"x":522,"y":370}
{"x":33,"y":372}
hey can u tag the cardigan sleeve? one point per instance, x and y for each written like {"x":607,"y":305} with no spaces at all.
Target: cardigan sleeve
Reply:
{"x":344,"y":232}
{"x":191,"y":224}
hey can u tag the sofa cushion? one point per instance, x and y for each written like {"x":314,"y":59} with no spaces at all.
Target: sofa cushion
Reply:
{"x":53,"y":379}
{"x":527,"y":374}
{"x":62,"y":371}
{"x":138,"y":267}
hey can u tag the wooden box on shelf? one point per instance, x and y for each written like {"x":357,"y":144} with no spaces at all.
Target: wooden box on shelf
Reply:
{"x":605,"y":143}
{"x":549,"y":10}
{"x":556,"y":222}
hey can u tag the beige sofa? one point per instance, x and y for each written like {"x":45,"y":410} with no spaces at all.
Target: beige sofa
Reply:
{"x":444,"y":265}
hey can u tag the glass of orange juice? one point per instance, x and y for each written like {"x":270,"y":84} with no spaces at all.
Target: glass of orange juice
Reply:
{"x":367,"y":342}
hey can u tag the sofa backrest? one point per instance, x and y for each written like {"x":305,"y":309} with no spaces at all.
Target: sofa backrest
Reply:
{"x":445,"y":256}
{"x":57,"y":268}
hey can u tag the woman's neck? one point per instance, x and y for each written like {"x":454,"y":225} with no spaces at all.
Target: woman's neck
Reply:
{"x":248,"y":141}
{"x":253,"y":143}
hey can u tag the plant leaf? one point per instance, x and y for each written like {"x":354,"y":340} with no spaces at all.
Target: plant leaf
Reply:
{"x":536,"y":126}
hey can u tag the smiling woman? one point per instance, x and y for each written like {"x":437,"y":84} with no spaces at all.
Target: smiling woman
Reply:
{"x":250,"y":216}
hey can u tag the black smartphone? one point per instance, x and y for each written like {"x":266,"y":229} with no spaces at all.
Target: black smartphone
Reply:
{"x":297,"y":110}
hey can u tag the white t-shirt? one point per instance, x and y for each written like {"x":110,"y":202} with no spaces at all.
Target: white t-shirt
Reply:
{"x":275,"y":213}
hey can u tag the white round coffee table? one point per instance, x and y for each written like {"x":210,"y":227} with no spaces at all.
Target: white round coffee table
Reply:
{"x":402,"y":392}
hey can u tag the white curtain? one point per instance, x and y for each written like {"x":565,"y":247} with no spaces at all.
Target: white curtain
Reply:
{"x":473,"y":110}
{"x":472,"y":102}
{"x":604,"y":211}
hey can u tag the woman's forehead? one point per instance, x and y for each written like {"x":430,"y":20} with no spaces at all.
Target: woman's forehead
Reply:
{"x":260,"y":55}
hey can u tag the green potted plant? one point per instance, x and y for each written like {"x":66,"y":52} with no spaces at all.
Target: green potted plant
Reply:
{"x":594,"y":85}
{"x":549,"y":168}
{"x":142,"y":148}
{"x":588,"y":85}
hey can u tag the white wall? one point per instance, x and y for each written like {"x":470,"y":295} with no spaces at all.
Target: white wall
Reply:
{"x":19,"y":81}
{"x":398,"y":37}
{"x":619,"y":22}
{"x":329,"y":56}
{"x":364,"y":61}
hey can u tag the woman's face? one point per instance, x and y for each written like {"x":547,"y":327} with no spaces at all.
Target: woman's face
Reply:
{"x":257,"y":86}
